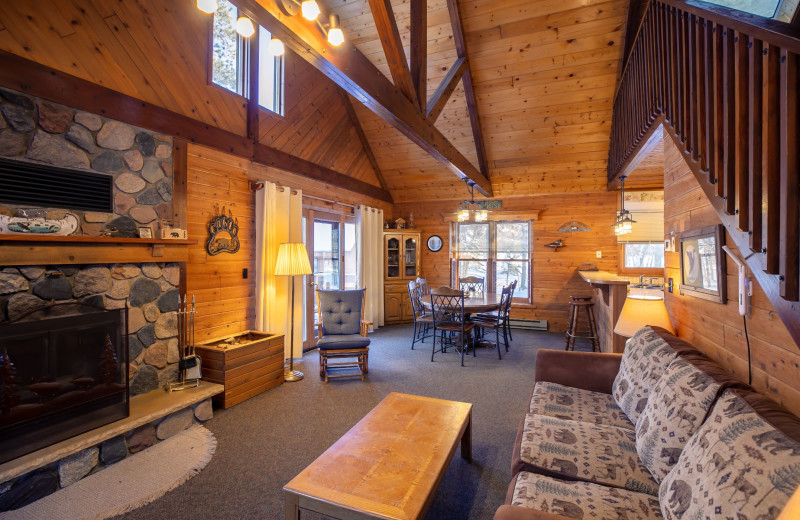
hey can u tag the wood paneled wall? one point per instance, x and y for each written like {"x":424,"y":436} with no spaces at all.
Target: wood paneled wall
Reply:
{"x":717,"y":329}
{"x":555,"y":275}
{"x":156,"y":51}
{"x":225,"y":300}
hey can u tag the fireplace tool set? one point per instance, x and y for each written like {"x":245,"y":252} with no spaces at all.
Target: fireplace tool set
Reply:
{"x":189,"y":363}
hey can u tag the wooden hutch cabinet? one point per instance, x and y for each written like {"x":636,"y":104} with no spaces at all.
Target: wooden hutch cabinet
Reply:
{"x":401,"y":262}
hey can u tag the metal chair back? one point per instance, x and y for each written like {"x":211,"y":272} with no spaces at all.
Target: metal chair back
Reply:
{"x":423,"y":286}
{"x":448,"y":310}
{"x":471,"y":284}
{"x":414,"y":295}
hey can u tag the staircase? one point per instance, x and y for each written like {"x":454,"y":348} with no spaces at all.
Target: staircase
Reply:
{"x":726,"y":87}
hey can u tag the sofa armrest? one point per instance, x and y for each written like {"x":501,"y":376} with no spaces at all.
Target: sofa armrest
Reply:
{"x":591,"y":371}
{"x":506,"y":512}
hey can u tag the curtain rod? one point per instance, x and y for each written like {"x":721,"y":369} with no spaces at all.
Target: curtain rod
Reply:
{"x":255,"y":186}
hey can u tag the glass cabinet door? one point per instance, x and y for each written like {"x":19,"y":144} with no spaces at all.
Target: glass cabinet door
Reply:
{"x":392,"y":257}
{"x":410,"y":257}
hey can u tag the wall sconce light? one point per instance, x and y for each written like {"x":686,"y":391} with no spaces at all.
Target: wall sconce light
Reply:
{"x":245,"y":27}
{"x":335,"y":34}
{"x":207,"y":6}
{"x":310,"y":10}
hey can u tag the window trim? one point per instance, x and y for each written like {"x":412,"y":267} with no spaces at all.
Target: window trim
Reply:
{"x":491,"y":262}
{"x":652,"y":271}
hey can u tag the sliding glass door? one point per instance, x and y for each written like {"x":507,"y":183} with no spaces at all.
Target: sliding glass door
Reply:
{"x":331,"y":242}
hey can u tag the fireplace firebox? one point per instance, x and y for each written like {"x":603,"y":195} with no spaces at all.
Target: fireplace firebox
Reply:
{"x":63,"y":372}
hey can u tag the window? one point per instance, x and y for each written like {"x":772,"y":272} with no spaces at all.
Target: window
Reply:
{"x":765,"y":8}
{"x":643,"y":256}
{"x":229,"y":60}
{"x":498,"y":252}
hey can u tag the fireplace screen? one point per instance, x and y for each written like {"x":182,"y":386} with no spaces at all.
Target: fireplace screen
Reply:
{"x":63,"y":371}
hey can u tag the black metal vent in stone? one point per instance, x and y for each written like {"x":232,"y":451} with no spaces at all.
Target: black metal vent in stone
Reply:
{"x":43,"y":186}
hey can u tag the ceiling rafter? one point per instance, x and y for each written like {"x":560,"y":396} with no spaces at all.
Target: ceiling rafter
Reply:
{"x":442,"y":95}
{"x":346,"y":66}
{"x":419,"y":49}
{"x":469,"y":91}
{"x":386,"y":24}
{"x":348,"y":106}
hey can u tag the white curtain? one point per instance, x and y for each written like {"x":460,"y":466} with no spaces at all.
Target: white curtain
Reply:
{"x":369,"y":233}
{"x":279,"y":219}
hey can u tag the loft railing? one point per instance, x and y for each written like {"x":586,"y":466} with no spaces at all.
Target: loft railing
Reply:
{"x":725,"y":86}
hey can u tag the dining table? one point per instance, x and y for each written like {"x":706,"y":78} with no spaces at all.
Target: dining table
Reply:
{"x":472,"y":304}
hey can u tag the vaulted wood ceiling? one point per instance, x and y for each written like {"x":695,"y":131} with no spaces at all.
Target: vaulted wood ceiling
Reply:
{"x":544,"y":76}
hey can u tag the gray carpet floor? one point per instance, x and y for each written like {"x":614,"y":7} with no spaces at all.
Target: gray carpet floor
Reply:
{"x":265,"y":441}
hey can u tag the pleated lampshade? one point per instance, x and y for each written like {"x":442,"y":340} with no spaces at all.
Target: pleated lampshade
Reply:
{"x":292,"y":260}
{"x":642,"y":308}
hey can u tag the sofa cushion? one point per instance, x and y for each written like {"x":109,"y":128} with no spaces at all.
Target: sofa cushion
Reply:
{"x":565,"y":402}
{"x":581,"y":499}
{"x":737,"y":465}
{"x":645,"y":358}
{"x":675,"y":409}
{"x":343,"y":342}
{"x":582,"y":451}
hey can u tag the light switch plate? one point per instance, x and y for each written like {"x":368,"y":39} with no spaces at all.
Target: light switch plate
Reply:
{"x":598,"y":254}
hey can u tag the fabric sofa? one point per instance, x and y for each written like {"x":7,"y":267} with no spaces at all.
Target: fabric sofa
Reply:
{"x":658,"y":432}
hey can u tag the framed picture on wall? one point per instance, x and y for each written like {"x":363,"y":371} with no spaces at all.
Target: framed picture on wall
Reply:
{"x":703,"y":263}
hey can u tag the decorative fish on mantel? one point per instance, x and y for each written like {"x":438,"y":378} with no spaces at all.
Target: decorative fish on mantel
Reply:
{"x":26,"y":225}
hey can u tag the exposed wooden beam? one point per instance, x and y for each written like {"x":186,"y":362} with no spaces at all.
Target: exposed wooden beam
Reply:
{"x":386,"y":24}
{"x":348,"y":106}
{"x":350,"y":69}
{"x":442,"y":95}
{"x":38,"y":80}
{"x":419,"y":49}
{"x":469,"y":91}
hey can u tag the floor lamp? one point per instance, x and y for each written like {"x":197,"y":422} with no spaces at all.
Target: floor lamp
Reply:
{"x":292,"y":261}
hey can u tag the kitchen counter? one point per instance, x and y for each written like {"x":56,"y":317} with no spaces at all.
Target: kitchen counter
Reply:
{"x":609,"y":291}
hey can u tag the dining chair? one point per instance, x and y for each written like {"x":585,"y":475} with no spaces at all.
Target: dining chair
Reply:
{"x":448,"y":317}
{"x":497,"y":321}
{"x":423,"y":286}
{"x":342,"y":332}
{"x":422,"y":319}
{"x":471,"y":284}
{"x":491,"y":315}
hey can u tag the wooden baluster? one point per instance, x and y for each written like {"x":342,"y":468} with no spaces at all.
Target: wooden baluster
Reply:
{"x":719,"y":147}
{"x":790,"y":177}
{"x":672,"y":46}
{"x":754,"y":131}
{"x":658,"y":48}
{"x":727,"y":179}
{"x":691,"y":89}
{"x":711,"y":122}
{"x":770,"y":158}
{"x":702,"y":87}
{"x":680,"y":77}
{"x":740,"y":191}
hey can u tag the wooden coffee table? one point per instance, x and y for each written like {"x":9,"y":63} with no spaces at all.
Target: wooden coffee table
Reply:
{"x":388,"y":465}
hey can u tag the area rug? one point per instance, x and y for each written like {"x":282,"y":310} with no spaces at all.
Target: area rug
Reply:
{"x":128,"y":484}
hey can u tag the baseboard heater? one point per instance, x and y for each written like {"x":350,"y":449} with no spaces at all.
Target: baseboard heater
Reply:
{"x":528,"y":324}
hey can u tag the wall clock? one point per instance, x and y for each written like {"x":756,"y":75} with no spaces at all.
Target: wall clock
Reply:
{"x":435,"y":243}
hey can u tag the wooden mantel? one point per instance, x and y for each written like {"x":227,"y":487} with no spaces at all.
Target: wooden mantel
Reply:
{"x":57,"y":250}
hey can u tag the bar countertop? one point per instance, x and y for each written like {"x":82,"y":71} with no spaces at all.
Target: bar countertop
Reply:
{"x":603,"y":277}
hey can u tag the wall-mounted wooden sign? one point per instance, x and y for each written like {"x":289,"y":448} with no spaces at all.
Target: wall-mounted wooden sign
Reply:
{"x":223,"y":233}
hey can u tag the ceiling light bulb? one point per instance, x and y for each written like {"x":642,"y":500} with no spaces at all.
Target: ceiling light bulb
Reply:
{"x":335,"y":37}
{"x":310,"y":9}
{"x":207,"y":6}
{"x":244,"y":26}
{"x":463,"y":215}
{"x":276,"y":47}
{"x":481,"y":215}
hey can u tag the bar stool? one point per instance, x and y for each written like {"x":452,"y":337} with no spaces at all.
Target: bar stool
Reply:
{"x":573,"y":331}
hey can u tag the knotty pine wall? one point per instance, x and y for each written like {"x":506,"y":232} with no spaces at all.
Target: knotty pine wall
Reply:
{"x":112,"y":44}
{"x":555,"y":275}
{"x":226,"y":301}
{"x":717,"y":329}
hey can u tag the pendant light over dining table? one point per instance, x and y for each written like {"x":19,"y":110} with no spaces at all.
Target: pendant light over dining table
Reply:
{"x":469,"y":210}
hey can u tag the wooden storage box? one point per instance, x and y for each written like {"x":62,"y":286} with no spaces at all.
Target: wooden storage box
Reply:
{"x":251,"y":365}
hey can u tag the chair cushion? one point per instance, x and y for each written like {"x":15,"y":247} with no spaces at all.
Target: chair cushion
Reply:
{"x":675,"y":409}
{"x":341,"y":311}
{"x":564,"y":402}
{"x":342,"y":341}
{"x":644,"y":361}
{"x":737,"y":465}
{"x":582,"y":451}
{"x":582,"y":499}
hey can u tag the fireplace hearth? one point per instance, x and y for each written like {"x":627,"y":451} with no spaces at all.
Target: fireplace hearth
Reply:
{"x":63,"y":371}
